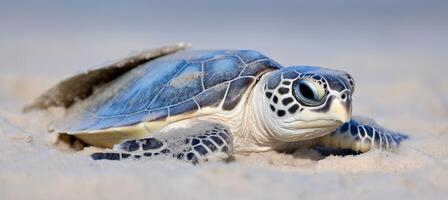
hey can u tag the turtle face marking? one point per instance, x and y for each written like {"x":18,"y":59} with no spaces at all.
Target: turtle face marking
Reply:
{"x":292,"y":92}
{"x":309,"y":98}
{"x":282,"y":102}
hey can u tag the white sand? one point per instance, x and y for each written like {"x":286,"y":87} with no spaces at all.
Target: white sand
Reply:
{"x":31,"y":168}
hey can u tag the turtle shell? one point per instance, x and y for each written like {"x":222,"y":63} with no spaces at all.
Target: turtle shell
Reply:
{"x":171,"y":88}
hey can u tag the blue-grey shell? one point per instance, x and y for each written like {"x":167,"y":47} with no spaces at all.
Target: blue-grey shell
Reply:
{"x":174,"y":85}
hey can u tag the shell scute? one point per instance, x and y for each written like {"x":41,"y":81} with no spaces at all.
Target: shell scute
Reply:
{"x":212,"y":97}
{"x":258,"y":67}
{"x":158,"y":114}
{"x":221,"y":70}
{"x":107,"y":122}
{"x":133,"y":118}
{"x":142,"y":86}
{"x":236,"y":90}
{"x":184,"y":107}
{"x":249,"y":56}
{"x":183,"y":86}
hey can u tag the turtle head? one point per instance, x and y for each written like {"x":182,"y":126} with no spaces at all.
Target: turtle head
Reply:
{"x":303,"y":102}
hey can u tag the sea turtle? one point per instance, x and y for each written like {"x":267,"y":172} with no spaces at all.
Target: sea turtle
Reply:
{"x":195,"y":105}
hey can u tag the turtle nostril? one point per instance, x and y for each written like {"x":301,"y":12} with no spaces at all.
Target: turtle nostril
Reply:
{"x":343,"y":96}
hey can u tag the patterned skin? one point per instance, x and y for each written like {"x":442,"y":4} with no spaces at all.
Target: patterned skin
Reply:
{"x":197,"y":105}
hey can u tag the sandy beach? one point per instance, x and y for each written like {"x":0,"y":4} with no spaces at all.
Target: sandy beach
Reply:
{"x":398,"y":61}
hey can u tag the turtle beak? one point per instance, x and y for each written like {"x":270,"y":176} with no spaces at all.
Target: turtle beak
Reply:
{"x":334,"y":114}
{"x":340,"y":110}
{"x":337,"y":109}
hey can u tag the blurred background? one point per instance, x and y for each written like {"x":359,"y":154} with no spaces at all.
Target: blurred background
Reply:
{"x":64,"y":37}
{"x":390,"y":47}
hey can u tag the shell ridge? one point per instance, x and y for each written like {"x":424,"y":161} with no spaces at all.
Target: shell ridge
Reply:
{"x":197,"y":104}
{"x":163,"y":107}
{"x":245,"y":65}
{"x":116,"y":96}
{"x":248,"y":64}
{"x":225,"y":94}
{"x":164,"y":86}
{"x":241,"y":59}
{"x":202,"y":77}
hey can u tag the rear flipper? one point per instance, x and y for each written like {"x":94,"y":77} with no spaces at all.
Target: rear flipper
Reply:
{"x":202,"y":142}
{"x":361,"y":135}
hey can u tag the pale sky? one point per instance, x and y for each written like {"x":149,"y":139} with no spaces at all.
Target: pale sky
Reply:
{"x":63,"y":37}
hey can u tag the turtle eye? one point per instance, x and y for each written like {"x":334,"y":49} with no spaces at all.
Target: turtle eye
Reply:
{"x":308,"y":92}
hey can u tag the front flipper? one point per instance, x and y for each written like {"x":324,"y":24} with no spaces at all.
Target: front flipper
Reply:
{"x":362,"y":135}
{"x":201,"y":142}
